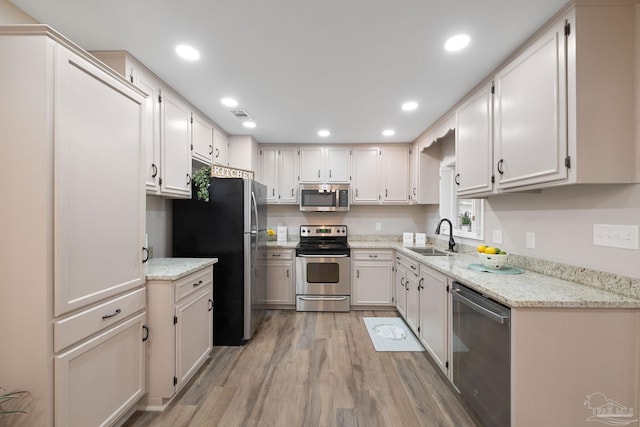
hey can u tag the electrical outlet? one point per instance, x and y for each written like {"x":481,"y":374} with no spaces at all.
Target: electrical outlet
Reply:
{"x":531,"y":240}
{"x":615,"y":236}
{"x":378,"y":226}
{"x":497,"y":237}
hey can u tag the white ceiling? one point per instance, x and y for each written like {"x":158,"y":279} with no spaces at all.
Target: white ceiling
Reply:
{"x":298,"y":66}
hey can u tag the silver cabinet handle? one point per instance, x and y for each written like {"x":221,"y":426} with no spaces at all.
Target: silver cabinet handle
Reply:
{"x":482,"y":310}
{"x":322,"y":298}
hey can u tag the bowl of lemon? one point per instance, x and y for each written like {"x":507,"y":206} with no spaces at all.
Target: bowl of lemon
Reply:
{"x":492,"y":257}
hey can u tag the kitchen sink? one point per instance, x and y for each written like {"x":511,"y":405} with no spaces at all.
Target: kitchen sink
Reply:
{"x":428,"y":251}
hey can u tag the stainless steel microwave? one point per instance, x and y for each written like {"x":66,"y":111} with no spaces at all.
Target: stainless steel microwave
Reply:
{"x":324,"y":197}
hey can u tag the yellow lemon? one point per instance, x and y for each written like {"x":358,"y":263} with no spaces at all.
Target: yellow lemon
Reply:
{"x":481,"y":248}
{"x":489,"y":250}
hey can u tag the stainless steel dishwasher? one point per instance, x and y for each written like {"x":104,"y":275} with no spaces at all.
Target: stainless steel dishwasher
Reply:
{"x":481,"y":354}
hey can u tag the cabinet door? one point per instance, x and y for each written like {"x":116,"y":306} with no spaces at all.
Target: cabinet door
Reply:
{"x":531,"y":114}
{"x":99,"y":196}
{"x":150,"y":128}
{"x":202,"y":139}
{"x":311,"y":165}
{"x":280,"y":285}
{"x":474,"y":144}
{"x":395,"y":174}
{"x":414,"y":164}
{"x":413,"y":301}
{"x":401,"y":290}
{"x":372,"y":283}
{"x":338,"y":165}
{"x":176,"y":147}
{"x":194,"y":334}
{"x":220,"y":148}
{"x":289,"y":167}
{"x":366,"y":175}
{"x":100,"y":380}
{"x":434,"y":315}
{"x":269,"y":172}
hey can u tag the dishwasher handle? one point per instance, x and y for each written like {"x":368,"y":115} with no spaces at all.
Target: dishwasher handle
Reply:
{"x":496,"y":317}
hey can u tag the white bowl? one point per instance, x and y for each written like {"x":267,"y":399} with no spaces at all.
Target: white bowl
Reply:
{"x":493,"y":261}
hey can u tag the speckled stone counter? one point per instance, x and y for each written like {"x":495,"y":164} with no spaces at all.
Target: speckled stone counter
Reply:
{"x":290,"y":244}
{"x":175,"y":268}
{"x":520,"y":290}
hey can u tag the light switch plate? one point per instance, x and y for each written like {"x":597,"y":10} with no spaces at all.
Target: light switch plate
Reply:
{"x":615,"y":236}
{"x":497,"y":237}
{"x":531,"y":240}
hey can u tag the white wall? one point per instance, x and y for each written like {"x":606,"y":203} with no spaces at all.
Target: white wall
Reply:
{"x":360,"y":220}
{"x":159,"y":226}
{"x":9,"y":14}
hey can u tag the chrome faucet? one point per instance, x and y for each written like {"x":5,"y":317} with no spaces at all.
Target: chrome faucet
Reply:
{"x":452,"y":243}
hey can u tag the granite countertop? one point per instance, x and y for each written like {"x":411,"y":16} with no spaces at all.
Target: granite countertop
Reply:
{"x":175,"y":268}
{"x":290,"y":244}
{"x":530,"y":289}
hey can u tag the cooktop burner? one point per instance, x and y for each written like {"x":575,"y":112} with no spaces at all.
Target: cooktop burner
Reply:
{"x":323,"y":240}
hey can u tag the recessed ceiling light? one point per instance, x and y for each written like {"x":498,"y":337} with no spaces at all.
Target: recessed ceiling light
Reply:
{"x":388,"y":132}
{"x":229,"y":102}
{"x":187,"y":52}
{"x":249,"y":125}
{"x":409,"y":106}
{"x":324,"y":133}
{"x":457,"y":43}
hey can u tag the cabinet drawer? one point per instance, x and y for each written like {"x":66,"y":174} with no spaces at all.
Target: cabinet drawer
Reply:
{"x":410,"y":265}
{"x":193,"y":283}
{"x":74,"y":328}
{"x":372,"y":255}
{"x":278,"y":254}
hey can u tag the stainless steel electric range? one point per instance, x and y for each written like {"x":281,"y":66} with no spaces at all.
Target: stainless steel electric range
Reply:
{"x":323,"y":269}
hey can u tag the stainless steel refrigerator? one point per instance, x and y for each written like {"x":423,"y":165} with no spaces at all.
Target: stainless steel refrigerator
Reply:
{"x":232,"y":227}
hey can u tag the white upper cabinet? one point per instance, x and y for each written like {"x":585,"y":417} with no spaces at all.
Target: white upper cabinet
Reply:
{"x":201,"y":139}
{"x":366,"y":175}
{"x":280,"y":171}
{"x":338,"y":165}
{"x":175,"y":134}
{"x":325,"y":165}
{"x":474,"y":144}
{"x":87,"y":106}
{"x":531,"y":115}
{"x":561,"y":112}
{"x":395,"y":174}
{"x":380,"y":174}
{"x":220,"y":148}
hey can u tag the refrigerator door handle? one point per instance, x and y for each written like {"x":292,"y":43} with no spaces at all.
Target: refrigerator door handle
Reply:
{"x":254,"y":231}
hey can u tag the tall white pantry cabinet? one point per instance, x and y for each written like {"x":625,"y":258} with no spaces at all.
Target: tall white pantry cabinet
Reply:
{"x":72,"y":296}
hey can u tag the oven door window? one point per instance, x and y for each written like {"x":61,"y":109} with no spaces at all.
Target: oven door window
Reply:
{"x":323,"y":272}
{"x":314,"y":198}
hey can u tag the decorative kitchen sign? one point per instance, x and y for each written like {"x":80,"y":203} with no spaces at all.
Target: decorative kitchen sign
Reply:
{"x":227,"y":172}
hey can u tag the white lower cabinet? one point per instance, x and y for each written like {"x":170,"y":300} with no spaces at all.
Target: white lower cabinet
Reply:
{"x":180,"y":333}
{"x":433,"y":323}
{"x":372,"y":281}
{"x":97,"y":381}
{"x":280,"y":278}
{"x":407,"y":281}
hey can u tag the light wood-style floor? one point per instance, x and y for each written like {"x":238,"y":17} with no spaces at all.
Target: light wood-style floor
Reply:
{"x":313,"y":369}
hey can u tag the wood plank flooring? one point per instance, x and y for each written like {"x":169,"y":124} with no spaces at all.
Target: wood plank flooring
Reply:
{"x":313,"y":369}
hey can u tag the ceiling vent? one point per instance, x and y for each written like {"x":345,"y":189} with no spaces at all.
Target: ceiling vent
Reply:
{"x":241,"y":114}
